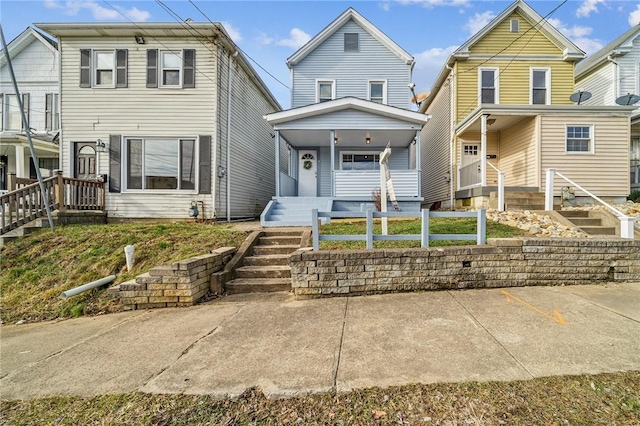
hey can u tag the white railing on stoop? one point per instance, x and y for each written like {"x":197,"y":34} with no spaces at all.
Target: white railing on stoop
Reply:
{"x":626,"y":222}
{"x":500,"y":187}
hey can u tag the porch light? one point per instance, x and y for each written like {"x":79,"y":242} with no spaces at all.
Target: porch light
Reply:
{"x":491,"y":121}
{"x":101,"y":146}
{"x":367,"y":140}
{"x":335,"y":141}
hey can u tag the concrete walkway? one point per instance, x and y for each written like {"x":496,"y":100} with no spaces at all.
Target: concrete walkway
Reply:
{"x":287,"y":347}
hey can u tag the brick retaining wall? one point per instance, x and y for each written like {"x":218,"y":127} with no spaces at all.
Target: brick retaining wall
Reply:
{"x":501,"y":263}
{"x":182,"y":283}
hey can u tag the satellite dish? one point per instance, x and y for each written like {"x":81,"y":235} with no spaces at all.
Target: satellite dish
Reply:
{"x":419,"y":97}
{"x":628,"y":99}
{"x":580,"y":96}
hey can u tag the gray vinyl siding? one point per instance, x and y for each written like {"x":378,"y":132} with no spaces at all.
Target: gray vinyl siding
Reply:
{"x":349,"y":119}
{"x":351,"y":70}
{"x":435,"y":151}
{"x":630,"y":70}
{"x":324,"y":172}
{"x":601,"y":84}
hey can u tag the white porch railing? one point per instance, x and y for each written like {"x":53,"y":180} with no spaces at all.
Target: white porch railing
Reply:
{"x":470,"y":175}
{"x":500,"y":187}
{"x":357,"y":183}
{"x":626,"y":222}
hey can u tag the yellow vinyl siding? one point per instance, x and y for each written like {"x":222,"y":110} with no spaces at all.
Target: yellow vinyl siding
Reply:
{"x":606,"y":171}
{"x":514,"y":82}
{"x":520,"y":43}
{"x":517,"y":156}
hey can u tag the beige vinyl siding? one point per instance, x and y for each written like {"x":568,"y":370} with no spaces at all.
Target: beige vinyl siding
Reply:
{"x":514,"y":82}
{"x":606,"y":172}
{"x":435,"y":138}
{"x":137,"y":111}
{"x":533,"y":42}
{"x":518,"y":155}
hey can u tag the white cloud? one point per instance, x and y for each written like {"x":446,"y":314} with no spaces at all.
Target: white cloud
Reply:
{"x":634,"y":17}
{"x":434,"y":3}
{"x":578,"y":35}
{"x":479,"y":21}
{"x":587,"y":7}
{"x":264,"y":39}
{"x":296,"y":40}
{"x":98,"y":12}
{"x":428,"y":65}
{"x":233,"y":32}
{"x":385,"y":5}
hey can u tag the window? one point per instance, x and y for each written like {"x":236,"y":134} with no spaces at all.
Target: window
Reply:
{"x":160,"y":164}
{"x":635,"y":150}
{"x":172,"y":68}
{"x":351,"y":42}
{"x":515,"y":26}
{"x":360,"y":161}
{"x":470,"y":150}
{"x":579,"y":139}
{"x":52,"y":116}
{"x":378,"y":91}
{"x":540,"y":83}
{"x":325,"y":90}
{"x":489,"y":93}
{"x":1,"y":114}
{"x":12,"y":118}
{"x":103,"y":68}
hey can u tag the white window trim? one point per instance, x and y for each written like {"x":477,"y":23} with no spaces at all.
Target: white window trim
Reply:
{"x":94,"y":69}
{"x":384,"y":89}
{"x":496,"y":83}
{"x":343,"y":153}
{"x":325,"y":80}
{"x":124,"y":161}
{"x":547,"y":82}
{"x":592,"y":140}
{"x":180,"y":54}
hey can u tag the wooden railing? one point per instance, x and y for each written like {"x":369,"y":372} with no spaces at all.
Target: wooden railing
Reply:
{"x":27,"y":202}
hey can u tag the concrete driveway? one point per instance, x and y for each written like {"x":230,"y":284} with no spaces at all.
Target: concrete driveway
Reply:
{"x":287,"y":347}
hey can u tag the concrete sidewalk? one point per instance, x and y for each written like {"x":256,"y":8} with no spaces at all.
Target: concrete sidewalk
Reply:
{"x":287,"y":347}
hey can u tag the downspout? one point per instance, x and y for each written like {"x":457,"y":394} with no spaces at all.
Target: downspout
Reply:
{"x":229,"y":82}
{"x":616,"y":77}
{"x":216,"y":136}
{"x":451,"y":138}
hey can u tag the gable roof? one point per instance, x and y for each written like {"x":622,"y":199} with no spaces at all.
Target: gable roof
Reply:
{"x":329,"y":30}
{"x":617,"y":47}
{"x":570,"y":50}
{"x":23,"y":40}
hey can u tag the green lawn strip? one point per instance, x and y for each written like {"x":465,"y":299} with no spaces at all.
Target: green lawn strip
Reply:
{"x":36,"y":269}
{"x":412,"y":226}
{"x":604,"y":399}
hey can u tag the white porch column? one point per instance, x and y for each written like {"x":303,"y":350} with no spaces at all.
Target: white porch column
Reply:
{"x":20,"y":165}
{"x":277,"y":142}
{"x":483,"y":151}
{"x":419,"y":163}
{"x":332,"y":135}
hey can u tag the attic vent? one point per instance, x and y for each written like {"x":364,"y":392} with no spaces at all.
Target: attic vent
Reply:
{"x":515,"y":25}
{"x":351,"y":42}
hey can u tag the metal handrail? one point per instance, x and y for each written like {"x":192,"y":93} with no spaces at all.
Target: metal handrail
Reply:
{"x":595,"y":197}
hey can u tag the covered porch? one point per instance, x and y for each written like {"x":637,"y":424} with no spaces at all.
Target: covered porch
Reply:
{"x":329,"y":154}
{"x":15,"y":157}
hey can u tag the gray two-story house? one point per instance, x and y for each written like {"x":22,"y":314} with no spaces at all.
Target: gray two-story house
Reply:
{"x":349,"y":100}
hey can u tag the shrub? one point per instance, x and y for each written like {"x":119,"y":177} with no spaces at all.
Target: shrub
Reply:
{"x":634,"y":196}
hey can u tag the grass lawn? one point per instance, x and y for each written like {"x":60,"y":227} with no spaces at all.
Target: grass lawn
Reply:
{"x":35,"y":269}
{"x":604,"y":399}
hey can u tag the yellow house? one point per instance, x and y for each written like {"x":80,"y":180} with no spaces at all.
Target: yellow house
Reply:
{"x":502,"y":107}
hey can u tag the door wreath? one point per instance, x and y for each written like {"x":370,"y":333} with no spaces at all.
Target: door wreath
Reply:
{"x":307,"y":164}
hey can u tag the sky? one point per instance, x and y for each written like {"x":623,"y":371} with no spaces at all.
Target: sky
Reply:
{"x":268,"y":32}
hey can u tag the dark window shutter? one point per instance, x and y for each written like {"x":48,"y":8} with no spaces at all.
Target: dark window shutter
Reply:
{"x":189,"y":68}
{"x":25,"y":108}
{"x":48,"y":113}
{"x":121,"y":68}
{"x":85,"y":68}
{"x":152,"y":67}
{"x":114,"y":163}
{"x":204,"y":185}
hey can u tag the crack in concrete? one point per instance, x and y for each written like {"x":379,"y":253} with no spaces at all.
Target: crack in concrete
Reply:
{"x":337,"y":365}
{"x":604,"y":307}
{"x":491,"y":334}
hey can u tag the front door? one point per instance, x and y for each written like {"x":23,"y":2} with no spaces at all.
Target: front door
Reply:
{"x":308,"y":173}
{"x":85,"y":154}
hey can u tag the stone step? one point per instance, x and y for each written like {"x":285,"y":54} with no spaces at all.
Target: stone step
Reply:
{"x":271,"y":232}
{"x":272,"y":271}
{"x":574,"y":213}
{"x":255,"y":285}
{"x":274,"y":249}
{"x":599,"y":230}
{"x":279,"y":240}
{"x":580,"y":221}
{"x":523,"y":206}
{"x":266,"y":260}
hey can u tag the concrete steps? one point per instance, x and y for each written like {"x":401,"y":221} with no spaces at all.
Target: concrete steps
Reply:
{"x":584,"y":220}
{"x":518,"y":200}
{"x":26,"y":229}
{"x":267,"y":269}
{"x":293,"y":211}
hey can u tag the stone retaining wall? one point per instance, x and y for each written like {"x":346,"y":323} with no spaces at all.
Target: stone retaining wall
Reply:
{"x":501,"y":263}
{"x":181,"y":284}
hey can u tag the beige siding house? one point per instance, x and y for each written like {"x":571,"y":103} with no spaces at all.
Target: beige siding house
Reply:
{"x":501,"y":104}
{"x":169,"y":115}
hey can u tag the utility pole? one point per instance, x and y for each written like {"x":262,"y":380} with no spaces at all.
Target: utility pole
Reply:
{"x":25,"y":125}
